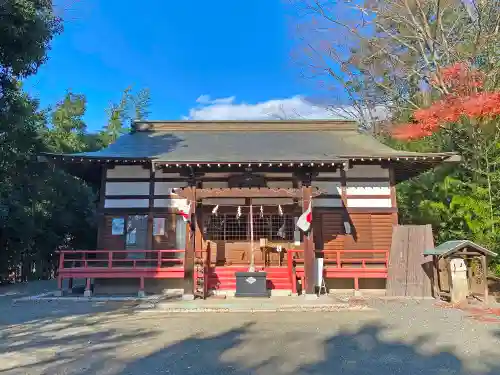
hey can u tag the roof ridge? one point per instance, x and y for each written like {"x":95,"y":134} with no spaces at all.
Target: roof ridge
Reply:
{"x":245,"y":125}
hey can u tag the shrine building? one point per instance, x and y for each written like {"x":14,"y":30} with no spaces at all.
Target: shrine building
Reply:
{"x":187,"y":204}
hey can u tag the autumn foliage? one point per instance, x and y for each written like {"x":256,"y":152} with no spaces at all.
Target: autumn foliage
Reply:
{"x":466,"y":98}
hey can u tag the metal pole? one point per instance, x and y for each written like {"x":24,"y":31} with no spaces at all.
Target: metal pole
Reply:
{"x":252,"y":256}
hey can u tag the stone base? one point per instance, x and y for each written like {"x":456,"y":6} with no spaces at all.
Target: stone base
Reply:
{"x":223,"y":293}
{"x":280,"y":293}
{"x":141,"y":294}
{"x":58,"y":293}
{"x":188,"y":297}
{"x":87,"y":293}
{"x":357,"y":293}
{"x":311,"y":297}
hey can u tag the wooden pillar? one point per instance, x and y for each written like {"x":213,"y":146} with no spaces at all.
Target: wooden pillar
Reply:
{"x":394,"y":203}
{"x":190,"y":247}
{"x":101,"y":219}
{"x":88,"y":290}
{"x":484,"y":265}
{"x":435,"y":278}
{"x":149,"y":244}
{"x":309,"y":258}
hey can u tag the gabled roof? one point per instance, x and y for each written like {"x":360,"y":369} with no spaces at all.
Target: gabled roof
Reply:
{"x":274,"y":142}
{"x":249,"y":141}
{"x":449,"y":247}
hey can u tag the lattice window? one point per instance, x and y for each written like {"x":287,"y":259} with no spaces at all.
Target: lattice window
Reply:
{"x":230,"y":228}
{"x":237,"y":228}
{"x":214,"y":227}
{"x":274,"y":227}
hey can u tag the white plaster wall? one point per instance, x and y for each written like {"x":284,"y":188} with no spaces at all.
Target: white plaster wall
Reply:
{"x":328,"y":187}
{"x":170,"y":202}
{"x":127,"y":188}
{"x":165,"y":188}
{"x":127,"y":171}
{"x":368,"y":188}
{"x":369,"y":203}
{"x":126,"y":203}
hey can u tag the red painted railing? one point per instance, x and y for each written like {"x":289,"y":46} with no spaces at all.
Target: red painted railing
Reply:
{"x":121,"y":263}
{"x":342,"y":265}
{"x":295,"y":257}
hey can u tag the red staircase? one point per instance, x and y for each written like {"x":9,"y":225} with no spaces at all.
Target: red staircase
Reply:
{"x":224,"y":278}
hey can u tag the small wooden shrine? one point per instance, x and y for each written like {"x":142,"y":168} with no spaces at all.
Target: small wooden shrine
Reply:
{"x":460,"y":270}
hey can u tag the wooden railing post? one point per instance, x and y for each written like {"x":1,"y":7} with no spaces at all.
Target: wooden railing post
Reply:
{"x":61,"y":260}
{"x":110,"y":259}
{"x":337,"y":254}
{"x":291,"y":273}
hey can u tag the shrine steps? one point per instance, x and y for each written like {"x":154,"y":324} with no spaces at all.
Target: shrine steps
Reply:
{"x":224,"y":278}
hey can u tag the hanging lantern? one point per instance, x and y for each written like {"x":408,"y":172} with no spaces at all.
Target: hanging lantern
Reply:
{"x":280,"y":210}
{"x":238,"y":212}
{"x":215,"y":210}
{"x":261,"y":212}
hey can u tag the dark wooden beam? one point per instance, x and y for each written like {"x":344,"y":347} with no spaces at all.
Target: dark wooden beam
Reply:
{"x":190,"y":245}
{"x":309,"y":256}
{"x":394,"y":204}
{"x":244,"y":193}
{"x":151,"y":206}
{"x":101,"y":219}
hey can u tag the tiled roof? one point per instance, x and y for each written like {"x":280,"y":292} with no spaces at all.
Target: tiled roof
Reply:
{"x":246,"y":141}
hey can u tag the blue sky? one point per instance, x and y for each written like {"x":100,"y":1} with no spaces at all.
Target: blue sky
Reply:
{"x":229,"y":53}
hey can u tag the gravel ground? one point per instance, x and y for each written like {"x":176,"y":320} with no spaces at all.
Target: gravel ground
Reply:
{"x":401,"y":337}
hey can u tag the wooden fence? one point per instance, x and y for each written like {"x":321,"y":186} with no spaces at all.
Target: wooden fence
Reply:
{"x":410,"y":273}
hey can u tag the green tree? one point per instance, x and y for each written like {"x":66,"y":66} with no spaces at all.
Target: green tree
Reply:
{"x":130,"y":107}
{"x":41,"y":207}
{"x":67,"y":132}
{"x":26,"y":30}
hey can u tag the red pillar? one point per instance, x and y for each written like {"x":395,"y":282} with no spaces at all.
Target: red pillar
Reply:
{"x":141,"y":293}
{"x":309,"y":257}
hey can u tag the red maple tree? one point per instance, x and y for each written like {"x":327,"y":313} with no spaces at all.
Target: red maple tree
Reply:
{"x":466,"y":98}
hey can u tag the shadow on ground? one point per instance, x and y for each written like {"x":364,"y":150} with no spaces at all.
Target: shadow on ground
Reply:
{"x":74,"y":345}
{"x":359,"y":352}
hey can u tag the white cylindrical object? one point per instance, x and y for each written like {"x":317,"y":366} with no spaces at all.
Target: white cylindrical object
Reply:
{"x":319,"y":271}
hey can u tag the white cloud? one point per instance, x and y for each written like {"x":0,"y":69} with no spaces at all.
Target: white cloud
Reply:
{"x":229,"y":109}
{"x":296,"y":107}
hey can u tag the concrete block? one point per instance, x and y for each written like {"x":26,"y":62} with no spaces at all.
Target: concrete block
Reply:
{"x":141,"y":294}
{"x":58,"y":293}
{"x":187,"y":297}
{"x":87,"y":293}
{"x":357,"y":293}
